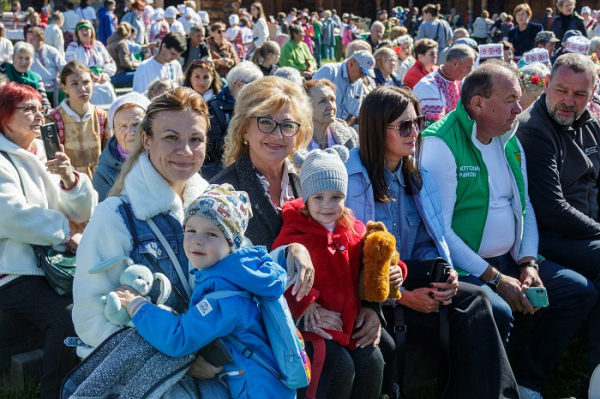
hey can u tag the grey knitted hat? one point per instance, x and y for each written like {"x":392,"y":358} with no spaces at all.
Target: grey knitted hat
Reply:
{"x":322,"y":170}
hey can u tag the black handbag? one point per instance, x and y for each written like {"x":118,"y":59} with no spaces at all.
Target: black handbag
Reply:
{"x":421,"y":273}
{"x":58,"y":267}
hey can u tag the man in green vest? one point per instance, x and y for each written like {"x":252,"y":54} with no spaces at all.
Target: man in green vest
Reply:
{"x":479,"y":167}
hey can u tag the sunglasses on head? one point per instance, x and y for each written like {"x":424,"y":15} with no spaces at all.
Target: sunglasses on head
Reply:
{"x":406,"y":127}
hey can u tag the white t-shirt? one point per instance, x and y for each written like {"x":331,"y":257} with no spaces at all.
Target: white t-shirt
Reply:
{"x":71,"y":19}
{"x":151,"y":69}
{"x":87,"y":13}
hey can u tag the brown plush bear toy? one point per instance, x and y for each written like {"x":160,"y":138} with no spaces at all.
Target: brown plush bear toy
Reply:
{"x":379,"y":253}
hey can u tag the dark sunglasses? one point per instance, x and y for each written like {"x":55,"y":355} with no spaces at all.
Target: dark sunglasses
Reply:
{"x":406,"y":127}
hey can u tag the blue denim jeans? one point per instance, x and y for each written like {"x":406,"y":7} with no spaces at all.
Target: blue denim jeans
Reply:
{"x":213,"y":389}
{"x":123,"y":79}
{"x":544,"y":336}
{"x":317,"y":51}
{"x":329,"y":52}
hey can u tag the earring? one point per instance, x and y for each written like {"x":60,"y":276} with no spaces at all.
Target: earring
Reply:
{"x":245,"y":142}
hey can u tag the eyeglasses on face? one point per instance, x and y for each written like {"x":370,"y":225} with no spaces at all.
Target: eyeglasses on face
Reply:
{"x":32,"y":109}
{"x":266,"y":124}
{"x":406,"y":127}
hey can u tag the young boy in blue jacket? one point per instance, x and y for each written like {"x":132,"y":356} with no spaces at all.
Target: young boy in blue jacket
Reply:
{"x":214,"y":227}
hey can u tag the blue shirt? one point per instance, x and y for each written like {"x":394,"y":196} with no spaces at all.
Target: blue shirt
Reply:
{"x":401,"y":217}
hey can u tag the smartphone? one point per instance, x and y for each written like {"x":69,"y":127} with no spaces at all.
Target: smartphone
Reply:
{"x":51,"y":140}
{"x":538,"y":297}
{"x":216,"y":353}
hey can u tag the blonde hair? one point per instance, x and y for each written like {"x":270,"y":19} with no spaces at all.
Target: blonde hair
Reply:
{"x":382,"y":54}
{"x":262,"y":97}
{"x":179,"y":99}
{"x":345,"y":218}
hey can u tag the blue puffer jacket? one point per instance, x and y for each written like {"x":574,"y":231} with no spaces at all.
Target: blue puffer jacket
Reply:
{"x":361,"y":201}
{"x":109,"y":167}
{"x":249,"y":269}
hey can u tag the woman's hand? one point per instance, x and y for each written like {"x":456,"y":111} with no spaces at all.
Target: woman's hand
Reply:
{"x":103,"y":78}
{"x":61,"y":166}
{"x":126,"y":294}
{"x":311,"y":316}
{"x":420,"y":299}
{"x":444,"y":292}
{"x":368,"y":328}
{"x":330,"y":320}
{"x":203,"y":369}
{"x":73,"y":243}
{"x":298,"y":261}
{"x":396,"y":277}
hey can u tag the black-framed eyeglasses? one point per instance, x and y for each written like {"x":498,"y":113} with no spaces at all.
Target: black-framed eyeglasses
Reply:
{"x":406,"y":127}
{"x":32,"y":109}
{"x":266,"y":124}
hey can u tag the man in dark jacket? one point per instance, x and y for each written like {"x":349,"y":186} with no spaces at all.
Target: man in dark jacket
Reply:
{"x":197,"y":48}
{"x":561,"y":140}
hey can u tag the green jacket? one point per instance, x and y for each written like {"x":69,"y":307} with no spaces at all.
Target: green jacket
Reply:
{"x":297,"y":55}
{"x":472,"y":192}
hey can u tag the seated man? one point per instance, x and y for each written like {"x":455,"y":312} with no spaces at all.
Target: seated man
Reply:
{"x":479,"y":167}
{"x":439,"y":92}
{"x":162,"y":65}
{"x":561,"y":139}
{"x":48,"y":61}
{"x":376,"y":36}
{"x":347,"y":77}
{"x":197,"y":48}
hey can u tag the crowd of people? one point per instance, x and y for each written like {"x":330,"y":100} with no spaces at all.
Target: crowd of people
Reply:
{"x":249,"y":154}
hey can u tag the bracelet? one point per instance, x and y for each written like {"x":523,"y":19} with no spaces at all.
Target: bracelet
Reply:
{"x":530,"y":263}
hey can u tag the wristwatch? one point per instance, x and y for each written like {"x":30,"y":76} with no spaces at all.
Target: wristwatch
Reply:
{"x":493,"y":283}
{"x":530,"y":263}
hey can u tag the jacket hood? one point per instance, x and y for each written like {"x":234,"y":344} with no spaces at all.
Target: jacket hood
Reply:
{"x":102,"y":11}
{"x":251,"y":269}
{"x":110,"y":156}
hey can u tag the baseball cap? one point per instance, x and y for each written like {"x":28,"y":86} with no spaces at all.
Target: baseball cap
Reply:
{"x":546,"y":36}
{"x":571,"y":33}
{"x":366,"y":62}
{"x":382,"y":12}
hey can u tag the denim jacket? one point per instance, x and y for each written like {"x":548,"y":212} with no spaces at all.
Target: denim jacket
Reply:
{"x":428,"y":208}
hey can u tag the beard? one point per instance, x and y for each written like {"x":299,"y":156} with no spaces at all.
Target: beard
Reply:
{"x":553,"y":111}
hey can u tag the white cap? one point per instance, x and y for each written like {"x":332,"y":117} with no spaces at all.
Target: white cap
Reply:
{"x":536,"y":55}
{"x":491,"y":51}
{"x":585,"y":10}
{"x":234,"y":19}
{"x":159,"y":14}
{"x":130,"y":98}
{"x":171,"y":12}
{"x":578,"y":45}
{"x":181,"y":8}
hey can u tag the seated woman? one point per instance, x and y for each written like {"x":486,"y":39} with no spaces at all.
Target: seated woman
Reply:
{"x":531,"y":78}
{"x":159,"y":179}
{"x":124,"y":117}
{"x":327,"y":129}
{"x":119,"y":51}
{"x":222,"y":52}
{"x":81,"y":125}
{"x":19,"y":71}
{"x":296,"y":54}
{"x":202,"y":77}
{"x":386,"y":184}
{"x":272,"y":120}
{"x":92,"y":53}
{"x":6,"y":46}
{"x":39,"y":199}
{"x":267,"y":57}
{"x":426,"y":52}
{"x":405,"y":59}
{"x":386,"y":60}
{"x":221,"y":108}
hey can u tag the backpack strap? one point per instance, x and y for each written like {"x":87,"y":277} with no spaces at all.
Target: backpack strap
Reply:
{"x":247,"y":353}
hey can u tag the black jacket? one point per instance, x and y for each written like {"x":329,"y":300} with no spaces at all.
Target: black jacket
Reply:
{"x":220,"y":110}
{"x":266,"y":222}
{"x":563,"y":167}
{"x":574,"y":22}
{"x":203,"y":53}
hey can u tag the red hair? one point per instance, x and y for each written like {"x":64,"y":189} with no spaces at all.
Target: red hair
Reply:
{"x":11,"y":95}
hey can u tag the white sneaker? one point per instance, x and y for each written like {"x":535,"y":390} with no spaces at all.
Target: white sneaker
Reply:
{"x":526,"y":393}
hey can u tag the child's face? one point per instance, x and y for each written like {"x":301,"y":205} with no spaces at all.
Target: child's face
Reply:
{"x":79,"y":87}
{"x":326,"y":206}
{"x":204,"y":243}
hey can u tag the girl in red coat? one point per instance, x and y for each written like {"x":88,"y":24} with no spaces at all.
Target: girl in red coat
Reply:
{"x":333,"y":238}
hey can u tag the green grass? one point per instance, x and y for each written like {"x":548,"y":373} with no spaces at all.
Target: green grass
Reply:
{"x":30,"y":389}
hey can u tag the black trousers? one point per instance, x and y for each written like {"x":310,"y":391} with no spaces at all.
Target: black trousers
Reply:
{"x":33,"y":299}
{"x":479,"y":364}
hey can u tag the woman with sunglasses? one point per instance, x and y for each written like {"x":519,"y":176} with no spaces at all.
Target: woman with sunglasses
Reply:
{"x":203,"y":78}
{"x":395,"y":190}
{"x":223,"y":53}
